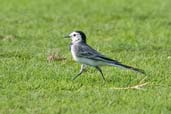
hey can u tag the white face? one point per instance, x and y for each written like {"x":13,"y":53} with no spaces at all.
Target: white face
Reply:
{"x":76,"y":37}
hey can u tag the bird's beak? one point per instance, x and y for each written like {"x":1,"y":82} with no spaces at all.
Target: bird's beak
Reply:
{"x":67,"y":36}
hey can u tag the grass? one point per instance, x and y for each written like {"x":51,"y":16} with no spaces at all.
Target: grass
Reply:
{"x":132,"y":31}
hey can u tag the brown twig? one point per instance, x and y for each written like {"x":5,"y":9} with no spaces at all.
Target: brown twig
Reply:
{"x":138,"y":86}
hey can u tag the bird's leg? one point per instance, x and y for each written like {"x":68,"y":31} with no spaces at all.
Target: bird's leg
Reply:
{"x":81,"y":71}
{"x":98,"y":68}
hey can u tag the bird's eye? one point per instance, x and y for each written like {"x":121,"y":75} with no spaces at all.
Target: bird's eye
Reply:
{"x":74,"y":35}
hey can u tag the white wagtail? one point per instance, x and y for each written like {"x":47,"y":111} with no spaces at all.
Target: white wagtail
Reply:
{"x":84,"y":54}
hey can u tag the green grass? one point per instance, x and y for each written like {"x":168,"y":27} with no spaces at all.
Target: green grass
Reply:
{"x":135,"y":32}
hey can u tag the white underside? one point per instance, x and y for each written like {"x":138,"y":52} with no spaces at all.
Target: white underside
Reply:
{"x":90,"y":62}
{"x":87,"y":61}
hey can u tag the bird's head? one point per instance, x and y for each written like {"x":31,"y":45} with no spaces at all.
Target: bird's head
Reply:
{"x":77,"y":36}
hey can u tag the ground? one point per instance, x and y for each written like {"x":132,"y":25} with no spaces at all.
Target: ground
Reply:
{"x":36,"y":66}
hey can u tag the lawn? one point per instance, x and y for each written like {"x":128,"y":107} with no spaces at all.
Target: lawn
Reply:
{"x":36,"y":66}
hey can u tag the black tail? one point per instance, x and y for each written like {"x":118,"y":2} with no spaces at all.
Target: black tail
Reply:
{"x":116,"y":63}
{"x":130,"y":68}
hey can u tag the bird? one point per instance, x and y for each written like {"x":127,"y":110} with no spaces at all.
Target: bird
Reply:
{"x":87,"y":56}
